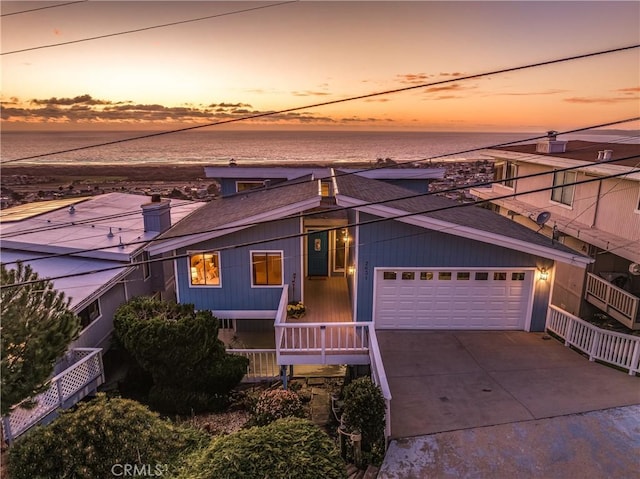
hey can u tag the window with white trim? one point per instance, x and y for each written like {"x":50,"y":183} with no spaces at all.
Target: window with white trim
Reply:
{"x":266,"y":268}
{"x":89,"y":314}
{"x":204,"y":268}
{"x":562,"y":191}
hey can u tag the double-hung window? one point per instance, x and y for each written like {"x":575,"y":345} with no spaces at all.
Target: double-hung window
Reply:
{"x":204,"y":268}
{"x":563,"y":187}
{"x":266,"y":268}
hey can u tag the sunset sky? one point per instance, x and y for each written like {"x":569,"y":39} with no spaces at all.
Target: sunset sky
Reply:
{"x":302,"y":53}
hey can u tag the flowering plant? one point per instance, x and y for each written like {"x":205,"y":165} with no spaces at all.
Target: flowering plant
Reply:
{"x":296,"y":310}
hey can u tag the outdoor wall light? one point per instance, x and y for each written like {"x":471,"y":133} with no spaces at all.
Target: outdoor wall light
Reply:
{"x":544,"y":274}
{"x":351,"y":270}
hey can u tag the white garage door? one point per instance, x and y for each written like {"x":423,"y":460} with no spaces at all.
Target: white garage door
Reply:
{"x":452,"y":299}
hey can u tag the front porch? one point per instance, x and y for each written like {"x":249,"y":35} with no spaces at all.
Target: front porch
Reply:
{"x":326,"y":334}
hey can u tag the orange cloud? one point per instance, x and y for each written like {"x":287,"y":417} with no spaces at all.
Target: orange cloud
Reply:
{"x":602,"y":100}
{"x":414,"y":78}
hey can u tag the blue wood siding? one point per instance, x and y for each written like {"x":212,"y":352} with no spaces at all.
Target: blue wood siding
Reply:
{"x":236,"y":292}
{"x":396,"y":244}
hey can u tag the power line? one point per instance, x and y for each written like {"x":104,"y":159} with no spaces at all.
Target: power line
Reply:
{"x":137,"y":30}
{"x":299,"y":235}
{"x":411,"y":196}
{"x":340,"y":174}
{"x":42,"y":8}
{"x":334,"y":102}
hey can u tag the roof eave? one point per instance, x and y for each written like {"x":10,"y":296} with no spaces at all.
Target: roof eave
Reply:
{"x":172,"y":244}
{"x":418,"y":219}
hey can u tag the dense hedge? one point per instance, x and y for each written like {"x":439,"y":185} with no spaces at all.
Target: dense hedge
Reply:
{"x":180,"y":348}
{"x":288,"y":448}
{"x":364,"y":410}
{"x":101,"y":434}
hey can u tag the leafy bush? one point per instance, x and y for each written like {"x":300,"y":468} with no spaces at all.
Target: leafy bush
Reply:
{"x":364,"y":410}
{"x":167,"y":399}
{"x":180,"y":348}
{"x":87,"y":442}
{"x":285,"y":449}
{"x":277,"y":404}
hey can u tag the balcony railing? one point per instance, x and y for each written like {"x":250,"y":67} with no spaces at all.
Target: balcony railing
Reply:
{"x":67,"y":388}
{"x":614,"y":301}
{"x":622,"y":350}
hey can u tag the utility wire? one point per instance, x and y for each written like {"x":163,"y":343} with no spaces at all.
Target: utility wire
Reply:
{"x":143,"y":29}
{"x":334,"y":102}
{"x":42,"y":8}
{"x":397,"y":165}
{"x":307,"y":214}
{"x":340,"y":174}
{"x":300,"y":235}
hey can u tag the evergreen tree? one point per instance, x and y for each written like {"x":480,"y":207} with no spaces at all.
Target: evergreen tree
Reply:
{"x":37,"y":327}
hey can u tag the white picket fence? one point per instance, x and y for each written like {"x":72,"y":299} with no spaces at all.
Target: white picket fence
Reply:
{"x":622,"y":350}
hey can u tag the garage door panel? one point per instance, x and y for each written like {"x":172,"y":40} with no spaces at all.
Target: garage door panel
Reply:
{"x":466,"y":303}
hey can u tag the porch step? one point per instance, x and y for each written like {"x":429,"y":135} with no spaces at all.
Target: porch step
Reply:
{"x":371,"y":472}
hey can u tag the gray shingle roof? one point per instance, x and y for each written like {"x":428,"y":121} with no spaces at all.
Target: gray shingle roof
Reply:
{"x":248,"y":204}
{"x":470,"y":216}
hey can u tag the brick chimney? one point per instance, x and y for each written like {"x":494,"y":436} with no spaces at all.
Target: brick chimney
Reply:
{"x":156,"y":214}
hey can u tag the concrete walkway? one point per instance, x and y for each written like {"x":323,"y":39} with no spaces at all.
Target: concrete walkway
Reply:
{"x":503,"y":405}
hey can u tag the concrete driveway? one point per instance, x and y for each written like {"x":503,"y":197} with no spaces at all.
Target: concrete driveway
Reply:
{"x":445,"y":381}
{"x":503,"y":405}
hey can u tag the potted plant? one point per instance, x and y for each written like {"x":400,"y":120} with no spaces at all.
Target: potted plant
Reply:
{"x":296,"y":310}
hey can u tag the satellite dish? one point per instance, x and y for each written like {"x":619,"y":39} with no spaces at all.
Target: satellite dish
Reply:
{"x":542,"y":218}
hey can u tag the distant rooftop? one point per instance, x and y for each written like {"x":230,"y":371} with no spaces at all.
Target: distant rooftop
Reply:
{"x":108,"y":221}
{"x":292,"y":172}
{"x":587,"y":151}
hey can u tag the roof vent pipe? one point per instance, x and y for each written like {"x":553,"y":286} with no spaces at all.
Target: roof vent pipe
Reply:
{"x":72,"y":209}
{"x":606,"y":155}
{"x":110,"y":233}
{"x":600,"y":155}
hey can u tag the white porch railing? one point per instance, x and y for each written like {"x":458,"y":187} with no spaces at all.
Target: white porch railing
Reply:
{"x":619,"y":349}
{"x":322,"y":343}
{"x":67,"y":388}
{"x":262,"y":364}
{"x":614,"y":301}
{"x":379,"y":377}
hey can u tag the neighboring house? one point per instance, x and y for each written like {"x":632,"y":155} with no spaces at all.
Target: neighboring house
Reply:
{"x":394,"y":263}
{"x":100,"y":235}
{"x":601,"y":218}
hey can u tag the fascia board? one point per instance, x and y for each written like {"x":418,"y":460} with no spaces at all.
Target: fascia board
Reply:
{"x":177,"y":243}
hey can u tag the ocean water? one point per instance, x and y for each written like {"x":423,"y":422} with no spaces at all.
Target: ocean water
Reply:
{"x":285,"y":147}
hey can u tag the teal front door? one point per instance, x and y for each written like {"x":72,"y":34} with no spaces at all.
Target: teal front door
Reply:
{"x":318,"y":253}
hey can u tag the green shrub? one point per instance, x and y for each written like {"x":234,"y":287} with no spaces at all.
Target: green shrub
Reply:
{"x":169,"y":400}
{"x":364,"y":410}
{"x":277,"y":404}
{"x":285,"y":449}
{"x":180,"y":348}
{"x":87,"y":442}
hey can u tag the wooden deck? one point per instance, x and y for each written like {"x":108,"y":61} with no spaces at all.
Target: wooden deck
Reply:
{"x":326,"y":334}
{"x":326,"y":301}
